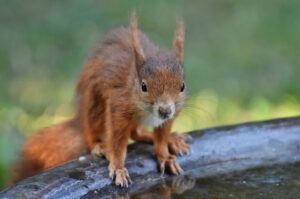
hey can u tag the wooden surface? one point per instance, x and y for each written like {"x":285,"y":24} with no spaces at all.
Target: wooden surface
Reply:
{"x":213,"y":151}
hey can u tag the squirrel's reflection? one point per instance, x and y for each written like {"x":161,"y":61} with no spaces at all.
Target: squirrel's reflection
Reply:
{"x":178,"y":185}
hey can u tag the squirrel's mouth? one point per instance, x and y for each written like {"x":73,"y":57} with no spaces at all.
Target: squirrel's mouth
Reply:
{"x":158,"y":113}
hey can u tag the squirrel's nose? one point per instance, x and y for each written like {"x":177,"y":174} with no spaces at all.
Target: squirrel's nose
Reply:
{"x":164,"y":112}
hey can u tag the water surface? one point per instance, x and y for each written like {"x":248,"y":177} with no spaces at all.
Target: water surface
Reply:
{"x":276,"y":182}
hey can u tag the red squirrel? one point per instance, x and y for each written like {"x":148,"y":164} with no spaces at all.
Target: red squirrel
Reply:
{"x":127,"y":83}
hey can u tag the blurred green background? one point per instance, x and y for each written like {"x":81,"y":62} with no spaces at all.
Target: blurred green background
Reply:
{"x":242,"y":59}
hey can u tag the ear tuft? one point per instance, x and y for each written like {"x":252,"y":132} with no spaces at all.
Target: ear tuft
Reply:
{"x":138,"y":51}
{"x":178,"y":42}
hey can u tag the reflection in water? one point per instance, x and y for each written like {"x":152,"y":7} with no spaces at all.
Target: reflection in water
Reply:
{"x":178,"y":185}
{"x":276,"y":182}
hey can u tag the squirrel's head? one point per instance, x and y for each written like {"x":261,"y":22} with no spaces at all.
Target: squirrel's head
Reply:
{"x":160,"y":88}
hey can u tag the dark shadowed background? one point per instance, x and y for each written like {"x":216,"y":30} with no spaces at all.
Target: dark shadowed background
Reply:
{"x":242,"y":59}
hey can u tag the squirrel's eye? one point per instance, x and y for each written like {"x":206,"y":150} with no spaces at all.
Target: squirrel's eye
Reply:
{"x":182,"y":87}
{"x":144,"y":87}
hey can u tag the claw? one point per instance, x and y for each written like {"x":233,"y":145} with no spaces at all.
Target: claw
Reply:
{"x":188,"y":138}
{"x":187,"y":152}
{"x":126,"y":184}
{"x":111,"y":174}
{"x":162,"y":169}
{"x":178,"y":168}
{"x":181,"y":172}
{"x":173,"y":169}
{"x":170,"y":162}
{"x":178,"y":144}
{"x":129,"y":179}
{"x":120,"y":177}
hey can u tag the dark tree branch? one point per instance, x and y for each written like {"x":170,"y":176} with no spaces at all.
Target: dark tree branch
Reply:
{"x":215,"y":150}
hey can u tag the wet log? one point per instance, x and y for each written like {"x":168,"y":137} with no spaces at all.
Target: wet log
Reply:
{"x":213,"y":151}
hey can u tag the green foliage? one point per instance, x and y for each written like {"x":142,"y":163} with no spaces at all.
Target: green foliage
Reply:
{"x":242,"y":59}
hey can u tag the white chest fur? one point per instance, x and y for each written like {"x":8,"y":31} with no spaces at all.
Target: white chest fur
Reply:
{"x":152,"y":120}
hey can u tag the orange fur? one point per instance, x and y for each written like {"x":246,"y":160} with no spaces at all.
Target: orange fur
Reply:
{"x":50,"y":147}
{"x":111,"y":105}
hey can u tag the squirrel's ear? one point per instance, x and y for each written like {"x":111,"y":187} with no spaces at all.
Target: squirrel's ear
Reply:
{"x":178,"y":42}
{"x":138,"y":51}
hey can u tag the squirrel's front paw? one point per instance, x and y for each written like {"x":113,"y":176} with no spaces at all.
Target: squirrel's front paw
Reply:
{"x":178,"y":144}
{"x":120,"y":176}
{"x":171,"y":164}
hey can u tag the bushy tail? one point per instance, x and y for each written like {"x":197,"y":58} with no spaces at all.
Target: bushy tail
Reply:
{"x":50,"y":147}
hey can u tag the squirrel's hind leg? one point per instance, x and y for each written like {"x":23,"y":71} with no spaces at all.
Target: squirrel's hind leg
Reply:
{"x":94,"y":118}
